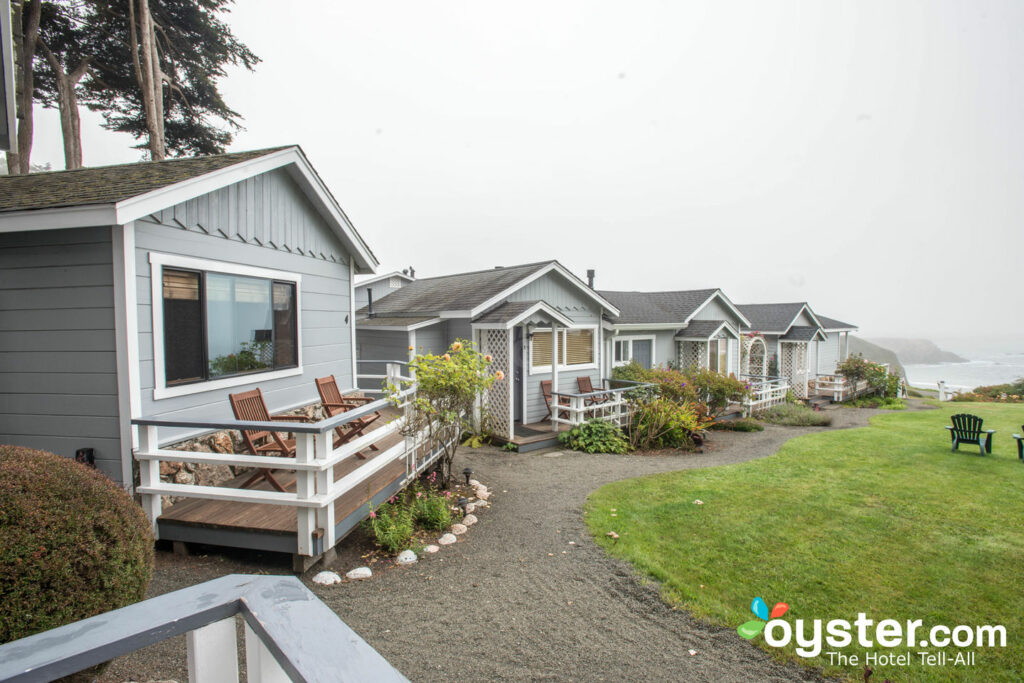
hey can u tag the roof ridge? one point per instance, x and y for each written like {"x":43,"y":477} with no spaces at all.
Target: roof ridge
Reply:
{"x":487,"y":270}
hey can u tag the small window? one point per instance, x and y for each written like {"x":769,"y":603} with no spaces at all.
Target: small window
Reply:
{"x":540,"y":351}
{"x":622,"y":352}
{"x":579,"y":347}
{"x":219,"y":325}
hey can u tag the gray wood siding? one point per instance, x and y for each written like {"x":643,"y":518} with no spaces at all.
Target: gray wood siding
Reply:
{"x":264,"y":222}
{"x":433,"y":339}
{"x":380,"y":345}
{"x":58,"y":377}
{"x":553,"y":289}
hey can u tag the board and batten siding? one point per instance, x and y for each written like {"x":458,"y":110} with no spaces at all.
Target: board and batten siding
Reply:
{"x":553,"y":289}
{"x":58,"y":372}
{"x":263,"y":222}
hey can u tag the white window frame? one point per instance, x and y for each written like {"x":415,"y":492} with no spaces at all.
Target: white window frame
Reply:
{"x":632,"y":338}
{"x":562,"y":367}
{"x":157,"y":262}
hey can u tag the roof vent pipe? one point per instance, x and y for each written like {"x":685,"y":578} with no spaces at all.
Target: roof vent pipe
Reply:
{"x":590,"y":278}
{"x":369,"y":302}
{"x":412,"y":272}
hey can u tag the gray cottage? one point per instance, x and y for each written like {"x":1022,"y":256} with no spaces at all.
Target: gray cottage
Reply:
{"x":538,"y":321}
{"x":786,"y":335}
{"x":691,"y":328}
{"x":381,"y":285}
{"x":155,"y":289}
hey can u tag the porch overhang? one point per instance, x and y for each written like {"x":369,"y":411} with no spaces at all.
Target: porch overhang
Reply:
{"x":512,"y":313}
{"x":803,"y":334}
{"x":397,"y":324}
{"x":706,"y":330}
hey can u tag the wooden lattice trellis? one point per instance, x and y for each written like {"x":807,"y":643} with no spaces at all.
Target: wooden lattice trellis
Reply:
{"x":754,"y":357}
{"x":693,"y":354}
{"x":497,"y":399}
{"x":793,"y":366}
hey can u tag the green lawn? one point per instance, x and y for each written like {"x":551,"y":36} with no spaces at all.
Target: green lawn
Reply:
{"x":882,"y":520}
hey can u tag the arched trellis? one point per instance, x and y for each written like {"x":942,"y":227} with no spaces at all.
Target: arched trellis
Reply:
{"x":755,"y":356}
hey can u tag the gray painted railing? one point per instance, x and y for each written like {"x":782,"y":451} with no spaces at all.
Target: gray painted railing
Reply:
{"x":290,"y":635}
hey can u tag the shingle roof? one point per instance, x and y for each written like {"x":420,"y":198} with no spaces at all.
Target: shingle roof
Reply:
{"x":657,"y":307}
{"x":109,"y":184}
{"x":833,"y":324}
{"x":396,"y":321}
{"x":505,"y":312}
{"x":771,"y":317}
{"x":800,"y":333}
{"x":458,"y":292}
{"x":700,"y":329}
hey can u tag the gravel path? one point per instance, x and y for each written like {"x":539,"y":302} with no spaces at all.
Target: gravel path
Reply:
{"x":513,"y":600}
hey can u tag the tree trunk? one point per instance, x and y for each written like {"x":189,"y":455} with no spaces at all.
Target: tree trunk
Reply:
{"x":67,"y":104}
{"x":25,"y":16}
{"x":146,"y":60}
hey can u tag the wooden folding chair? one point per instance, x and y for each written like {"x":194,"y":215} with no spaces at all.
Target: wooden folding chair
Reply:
{"x":336,"y":404}
{"x":545,"y":388}
{"x":249,"y":405}
{"x":585,"y":386}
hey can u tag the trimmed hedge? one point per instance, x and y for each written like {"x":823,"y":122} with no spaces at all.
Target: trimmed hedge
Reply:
{"x":72,"y":544}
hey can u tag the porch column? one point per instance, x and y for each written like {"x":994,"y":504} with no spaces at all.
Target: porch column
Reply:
{"x":554,"y":375}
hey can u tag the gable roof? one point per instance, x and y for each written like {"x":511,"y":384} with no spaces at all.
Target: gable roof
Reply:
{"x":775,"y":318}
{"x":833,"y":325}
{"x":512,"y":313}
{"x":705,"y":329}
{"x":664,"y":308}
{"x":120,"y":194}
{"x":470,"y":294}
{"x":803,"y":333}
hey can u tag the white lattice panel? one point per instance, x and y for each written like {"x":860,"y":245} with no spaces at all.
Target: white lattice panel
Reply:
{"x":794,"y":367}
{"x":693,"y":354}
{"x":754,"y":356}
{"x":497,"y":411}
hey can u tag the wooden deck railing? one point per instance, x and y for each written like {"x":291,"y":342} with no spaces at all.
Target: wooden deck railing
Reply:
{"x":316,"y":489}
{"x":290,"y":635}
{"x":765,"y":392}
{"x":612,"y":404}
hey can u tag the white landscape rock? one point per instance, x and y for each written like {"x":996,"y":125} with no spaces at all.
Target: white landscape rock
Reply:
{"x":469,"y":520}
{"x":326,"y":578}
{"x":359,"y":573}
{"x":406,"y":557}
{"x":474,"y":483}
{"x":483,"y":495}
{"x":431,"y":549}
{"x":470,"y":507}
{"x":459,"y":529}
{"x":447,"y":539}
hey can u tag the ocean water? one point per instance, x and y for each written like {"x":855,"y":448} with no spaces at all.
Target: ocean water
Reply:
{"x":983,"y":369}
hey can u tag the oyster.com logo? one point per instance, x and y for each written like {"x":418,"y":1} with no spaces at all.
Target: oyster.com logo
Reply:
{"x":760,"y":609}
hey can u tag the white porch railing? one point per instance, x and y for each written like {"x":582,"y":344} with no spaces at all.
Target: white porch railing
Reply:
{"x":315,"y":459}
{"x":947,"y":392}
{"x":610,"y":404}
{"x":370,"y":378}
{"x":840,"y":388}
{"x":290,"y":635}
{"x":764,"y":393}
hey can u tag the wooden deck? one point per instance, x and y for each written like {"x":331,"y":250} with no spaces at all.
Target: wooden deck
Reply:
{"x":274,"y":527}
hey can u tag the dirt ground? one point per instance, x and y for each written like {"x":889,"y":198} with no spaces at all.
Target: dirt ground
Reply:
{"x":514,"y":599}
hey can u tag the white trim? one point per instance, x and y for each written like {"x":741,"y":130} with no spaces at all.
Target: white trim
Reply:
{"x":157,"y":261}
{"x":725,"y":325}
{"x":632,"y":338}
{"x":807,"y":308}
{"x":126,"y":344}
{"x":553,"y":266}
{"x":351,"y":317}
{"x":625,"y":327}
{"x":139,"y":206}
{"x":562,"y":367}
{"x":57,"y":219}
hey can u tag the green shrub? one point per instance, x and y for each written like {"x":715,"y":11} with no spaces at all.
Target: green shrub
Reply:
{"x":856,"y":368}
{"x":391,"y":526}
{"x":595,"y":436}
{"x":72,"y":543}
{"x":744,"y":424}
{"x":709,"y":392}
{"x":663,"y":423}
{"x":431,"y":509}
{"x":796,"y":415}
{"x":1003,"y":393}
{"x":879,"y":402}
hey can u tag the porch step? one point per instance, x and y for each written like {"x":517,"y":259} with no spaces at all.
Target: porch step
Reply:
{"x":818,"y":402}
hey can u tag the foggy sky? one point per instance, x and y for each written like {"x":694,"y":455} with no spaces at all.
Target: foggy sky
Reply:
{"x":863,"y":156}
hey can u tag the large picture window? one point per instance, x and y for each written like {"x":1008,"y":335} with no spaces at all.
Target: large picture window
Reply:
{"x":216,"y":327}
{"x":576,"y":347}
